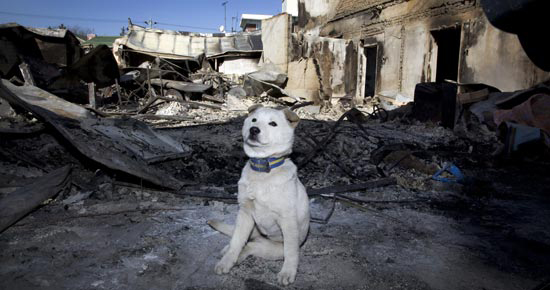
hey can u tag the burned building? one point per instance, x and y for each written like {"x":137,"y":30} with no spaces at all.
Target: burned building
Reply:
{"x":113,"y":184}
{"x":19,"y":44}
{"x":357,"y":49}
{"x":231,"y":53}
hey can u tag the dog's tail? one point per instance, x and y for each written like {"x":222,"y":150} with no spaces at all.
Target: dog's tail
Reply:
{"x":222,"y":227}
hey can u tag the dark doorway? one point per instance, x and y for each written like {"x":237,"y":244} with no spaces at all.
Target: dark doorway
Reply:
{"x":371,"y":53}
{"x":448,"y":49}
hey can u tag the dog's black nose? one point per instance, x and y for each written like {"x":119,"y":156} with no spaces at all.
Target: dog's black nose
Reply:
{"x":254,"y":131}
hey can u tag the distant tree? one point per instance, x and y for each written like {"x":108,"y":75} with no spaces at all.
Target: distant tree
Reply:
{"x":123,"y":31}
{"x":81,"y":32}
{"x":62,"y":26}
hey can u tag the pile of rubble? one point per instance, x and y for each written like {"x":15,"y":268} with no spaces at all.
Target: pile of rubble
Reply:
{"x":362,"y":143}
{"x":93,"y":139}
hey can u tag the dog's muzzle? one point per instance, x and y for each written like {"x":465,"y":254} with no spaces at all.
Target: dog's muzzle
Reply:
{"x":254,"y":132}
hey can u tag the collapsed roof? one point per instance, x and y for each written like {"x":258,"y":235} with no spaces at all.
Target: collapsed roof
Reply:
{"x":54,"y":46}
{"x":189,"y":46}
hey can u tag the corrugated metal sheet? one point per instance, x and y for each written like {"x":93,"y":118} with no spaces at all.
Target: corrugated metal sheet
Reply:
{"x":176,"y":45}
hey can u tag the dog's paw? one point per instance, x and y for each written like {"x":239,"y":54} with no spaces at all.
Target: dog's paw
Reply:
{"x":224,"y":250}
{"x":223,"y":266}
{"x":286,"y":276}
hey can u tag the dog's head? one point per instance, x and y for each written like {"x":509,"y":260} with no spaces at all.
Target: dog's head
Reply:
{"x":269,"y":132}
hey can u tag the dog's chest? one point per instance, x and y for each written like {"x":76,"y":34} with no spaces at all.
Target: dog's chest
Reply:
{"x":260,"y":196}
{"x":265,"y":198}
{"x":269,"y":190}
{"x":266,"y":220}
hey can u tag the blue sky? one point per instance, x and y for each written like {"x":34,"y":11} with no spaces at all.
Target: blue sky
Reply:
{"x":107,"y":17}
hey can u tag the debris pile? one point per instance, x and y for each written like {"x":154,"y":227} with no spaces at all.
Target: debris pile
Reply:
{"x":170,"y":90}
{"x":87,"y":130}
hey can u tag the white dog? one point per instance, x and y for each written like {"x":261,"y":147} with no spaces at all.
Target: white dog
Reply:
{"x":273,"y":217}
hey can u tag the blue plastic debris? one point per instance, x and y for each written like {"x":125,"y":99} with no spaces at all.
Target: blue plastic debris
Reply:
{"x":457,"y":176}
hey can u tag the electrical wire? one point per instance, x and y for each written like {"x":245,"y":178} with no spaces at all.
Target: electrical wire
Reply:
{"x":97,"y":20}
{"x":62,"y":17}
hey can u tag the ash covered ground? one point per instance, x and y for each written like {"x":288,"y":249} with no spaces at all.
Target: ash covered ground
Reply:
{"x":111,"y":231}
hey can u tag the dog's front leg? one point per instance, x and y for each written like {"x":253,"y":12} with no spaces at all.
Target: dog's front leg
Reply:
{"x":291,"y":245}
{"x":243,"y":228}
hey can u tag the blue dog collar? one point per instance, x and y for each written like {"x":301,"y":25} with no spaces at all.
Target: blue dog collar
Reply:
{"x":266,"y":164}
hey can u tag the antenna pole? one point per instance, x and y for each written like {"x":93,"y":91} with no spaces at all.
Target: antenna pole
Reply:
{"x":225,"y":15}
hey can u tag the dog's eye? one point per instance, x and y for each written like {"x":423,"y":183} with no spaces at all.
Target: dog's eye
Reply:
{"x":254,"y":120}
{"x":273,"y":124}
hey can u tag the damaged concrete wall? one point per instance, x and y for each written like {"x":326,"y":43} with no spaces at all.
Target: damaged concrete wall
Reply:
{"x":334,"y":63}
{"x":403,"y":32}
{"x":496,"y":58}
{"x":318,"y":68}
{"x":407,"y":52}
{"x":276,"y":39}
{"x":290,"y":7}
{"x":313,"y":13}
{"x":416,"y":43}
{"x":303,"y":80}
{"x":330,"y":55}
{"x":390,"y":64}
{"x":300,"y":59}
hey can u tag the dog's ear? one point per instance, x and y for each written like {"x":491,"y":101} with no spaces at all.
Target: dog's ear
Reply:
{"x":292,"y":117}
{"x":254,"y":108}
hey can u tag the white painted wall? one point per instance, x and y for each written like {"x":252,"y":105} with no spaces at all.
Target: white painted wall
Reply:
{"x":330,"y":54}
{"x":490,"y":56}
{"x":239,"y":66}
{"x":303,"y":81}
{"x":338,"y":48}
{"x":317,"y":8}
{"x":290,"y":7}
{"x":389,"y":71}
{"x":417,"y":40}
{"x":275,"y":39}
